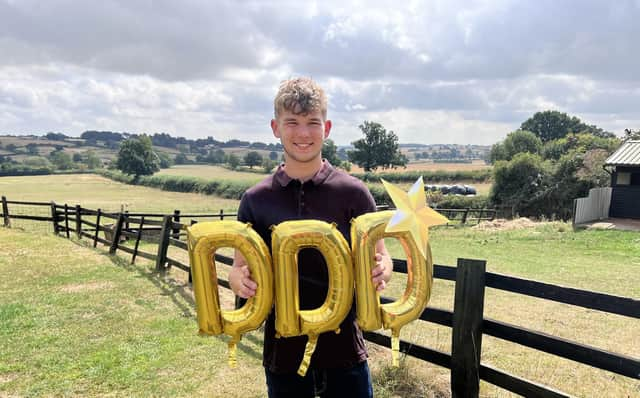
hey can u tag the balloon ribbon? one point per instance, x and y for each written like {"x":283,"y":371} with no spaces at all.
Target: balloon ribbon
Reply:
{"x":233,"y":343}
{"x":308,"y":351}
{"x":395,"y":347}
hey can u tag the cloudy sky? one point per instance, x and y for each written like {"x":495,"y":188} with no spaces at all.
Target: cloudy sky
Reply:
{"x":431,"y":71}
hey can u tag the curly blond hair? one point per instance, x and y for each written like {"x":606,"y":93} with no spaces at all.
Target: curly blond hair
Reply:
{"x":300,"y":95}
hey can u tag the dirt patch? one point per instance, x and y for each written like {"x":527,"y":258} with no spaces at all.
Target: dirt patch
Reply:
{"x":8,"y":377}
{"x":86,"y":287}
{"x":624,"y":224}
{"x":500,"y":224}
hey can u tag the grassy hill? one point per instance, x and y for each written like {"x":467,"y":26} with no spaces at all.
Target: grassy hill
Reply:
{"x":17,"y":149}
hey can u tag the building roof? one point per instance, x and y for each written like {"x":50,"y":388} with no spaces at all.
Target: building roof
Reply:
{"x":627,"y":155}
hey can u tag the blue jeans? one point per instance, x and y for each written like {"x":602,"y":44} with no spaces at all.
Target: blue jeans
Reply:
{"x":326,"y":383}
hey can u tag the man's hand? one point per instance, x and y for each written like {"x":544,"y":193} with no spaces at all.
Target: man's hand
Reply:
{"x":240,"y":279}
{"x":381,"y":273}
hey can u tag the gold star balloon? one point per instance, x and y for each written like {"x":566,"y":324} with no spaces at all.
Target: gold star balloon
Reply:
{"x":412,"y":213}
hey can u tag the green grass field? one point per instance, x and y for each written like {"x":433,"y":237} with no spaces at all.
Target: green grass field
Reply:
{"x":71,"y":303}
{"x":75,"y":322}
{"x":211,"y":172}
{"x":93,"y":191}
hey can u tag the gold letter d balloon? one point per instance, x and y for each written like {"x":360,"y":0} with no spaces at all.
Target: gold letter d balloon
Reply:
{"x":203,"y":241}
{"x":409,"y":224}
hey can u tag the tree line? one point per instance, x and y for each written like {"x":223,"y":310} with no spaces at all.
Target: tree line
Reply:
{"x":552,"y":159}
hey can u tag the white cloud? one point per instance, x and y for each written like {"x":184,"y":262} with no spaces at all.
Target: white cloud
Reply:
{"x":212,"y":68}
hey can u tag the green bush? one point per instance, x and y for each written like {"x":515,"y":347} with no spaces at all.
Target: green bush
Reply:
{"x":435,"y":199}
{"x":523,"y":183}
{"x":223,"y":188}
{"x":463,"y":202}
{"x":427,"y":176}
{"x":9,"y":169}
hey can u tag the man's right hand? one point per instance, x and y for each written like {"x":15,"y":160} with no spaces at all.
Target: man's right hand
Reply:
{"x":240,"y":279}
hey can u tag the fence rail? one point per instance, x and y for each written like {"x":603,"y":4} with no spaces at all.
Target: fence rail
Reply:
{"x":466,"y":320}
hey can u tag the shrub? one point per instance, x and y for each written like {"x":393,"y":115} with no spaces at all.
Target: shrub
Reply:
{"x":427,"y":176}
{"x":223,"y":188}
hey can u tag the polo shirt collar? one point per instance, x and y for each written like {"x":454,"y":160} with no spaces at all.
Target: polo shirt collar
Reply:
{"x":283,"y":178}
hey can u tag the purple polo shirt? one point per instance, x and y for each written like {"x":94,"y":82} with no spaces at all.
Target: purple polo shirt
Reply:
{"x":332,"y":196}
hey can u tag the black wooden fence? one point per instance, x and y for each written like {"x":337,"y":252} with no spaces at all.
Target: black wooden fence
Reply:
{"x":466,"y":320}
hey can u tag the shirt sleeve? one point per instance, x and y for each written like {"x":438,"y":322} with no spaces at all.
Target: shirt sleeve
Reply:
{"x":244,"y":209}
{"x":366,"y":203}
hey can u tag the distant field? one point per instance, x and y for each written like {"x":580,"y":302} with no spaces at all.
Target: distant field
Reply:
{"x":430,"y":166}
{"x":216,"y":172}
{"x":211,"y":172}
{"x":93,"y":191}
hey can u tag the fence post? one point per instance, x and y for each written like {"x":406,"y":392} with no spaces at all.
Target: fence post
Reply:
{"x":54,"y":217}
{"x":95,"y":237}
{"x":464,"y":216}
{"x":480,"y":214}
{"x":175,"y":232}
{"x":221,"y":214}
{"x":117,"y":231}
{"x":138,"y":236}
{"x":66,"y":220}
{"x":5,"y":212}
{"x":467,"y":328}
{"x":161,"y":258}
{"x":79,"y":221}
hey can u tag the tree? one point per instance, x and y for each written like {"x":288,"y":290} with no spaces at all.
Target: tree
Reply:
{"x":522,"y":141}
{"x":520,"y":183}
{"x":55,"y":136}
{"x":77,"y":157}
{"x":36,"y":162}
{"x":252,"y":158}
{"x":551,"y":125}
{"x":165,"y":160}
{"x":92,"y":160}
{"x":516,"y":142}
{"x":233,"y":160}
{"x":579,"y":142}
{"x":268,"y":165}
{"x":32,"y":149}
{"x":61,"y":160}
{"x":273,"y":155}
{"x":136,"y":157}
{"x":181,"y":158}
{"x":378,"y":148}
{"x":497,"y":152}
{"x":216,"y":156}
{"x":330,"y":152}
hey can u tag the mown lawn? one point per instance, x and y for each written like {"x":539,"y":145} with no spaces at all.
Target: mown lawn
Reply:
{"x":211,"y":172}
{"x":93,"y":191}
{"x":597,"y":260}
{"x":605,"y":261}
{"x":76,"y":322}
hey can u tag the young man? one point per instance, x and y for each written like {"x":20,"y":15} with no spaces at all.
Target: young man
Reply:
{"x":307,"y":187}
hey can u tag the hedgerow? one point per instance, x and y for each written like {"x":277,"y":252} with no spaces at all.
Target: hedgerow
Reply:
{"x":223,"y":188}
{"x":427,"y":176}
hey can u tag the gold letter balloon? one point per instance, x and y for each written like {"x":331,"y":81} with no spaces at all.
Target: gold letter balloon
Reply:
{"x":203,"y":241}
{"x":408,"y":224}
{"x":288,"y":238}
{"x":366,"y":230}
